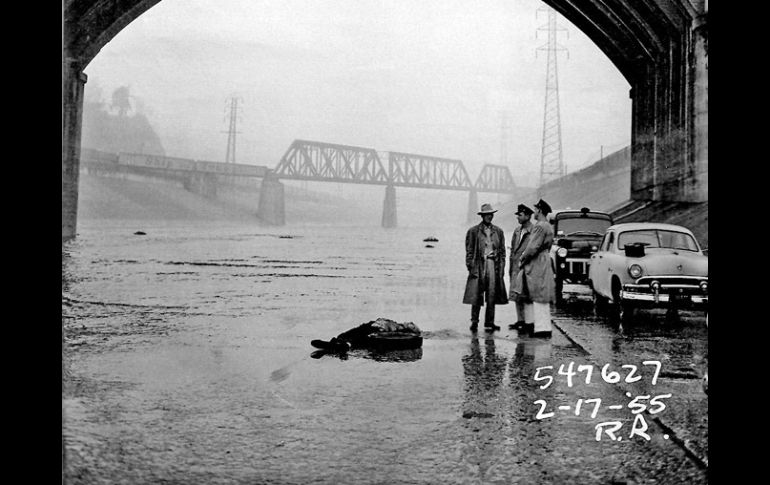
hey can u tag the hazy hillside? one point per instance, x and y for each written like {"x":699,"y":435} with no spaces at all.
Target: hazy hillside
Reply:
{"x":119,"y":131}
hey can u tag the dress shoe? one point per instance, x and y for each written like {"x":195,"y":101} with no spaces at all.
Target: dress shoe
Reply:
{"x":543,"y":334}
{"x":491,"y":328}
{"x":516,"y":326}
{"x":527,"y":328}
{"x":337,"y":345}
{"x":474,"y":326}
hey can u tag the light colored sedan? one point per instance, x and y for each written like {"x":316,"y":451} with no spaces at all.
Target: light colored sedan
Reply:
{"x":648,"y":265}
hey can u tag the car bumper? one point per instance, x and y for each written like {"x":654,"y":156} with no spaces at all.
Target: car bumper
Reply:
{"x":684,"y":296}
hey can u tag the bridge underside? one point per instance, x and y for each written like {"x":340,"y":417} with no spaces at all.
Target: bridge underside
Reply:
{"x":660,"y":46}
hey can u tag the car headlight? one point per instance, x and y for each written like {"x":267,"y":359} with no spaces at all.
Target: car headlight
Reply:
{"x":562,"y":252}
{"x":635,"y":271}
{"x":704,"y":286}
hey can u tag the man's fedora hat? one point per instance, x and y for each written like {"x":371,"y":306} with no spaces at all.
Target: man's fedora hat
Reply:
{"x":543,"y":206}
{"x":486,"y":209}
{"x":523,"y":209}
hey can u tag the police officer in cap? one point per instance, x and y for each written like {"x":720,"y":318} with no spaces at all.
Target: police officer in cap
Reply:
{"x":518,"y":245}
{"x":537,"y":273}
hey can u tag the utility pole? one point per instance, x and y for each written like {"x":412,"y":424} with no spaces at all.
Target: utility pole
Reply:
{"x":551,"y":162}
{"x":505,"y":131}
{"x":232,"y":103}
{"x":505,"y":144}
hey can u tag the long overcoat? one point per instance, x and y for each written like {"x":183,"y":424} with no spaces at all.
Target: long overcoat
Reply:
{"x":474,"y":261}
{"x":536,"y":278}
{"x":517,"y":249}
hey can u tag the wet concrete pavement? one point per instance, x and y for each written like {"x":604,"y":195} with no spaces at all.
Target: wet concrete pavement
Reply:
{"x":681,"y":345}
{"x":193,"y":365}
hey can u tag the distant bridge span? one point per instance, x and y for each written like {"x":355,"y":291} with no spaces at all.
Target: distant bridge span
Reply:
{"x":319,"y":162}
{"x":326,"y":162}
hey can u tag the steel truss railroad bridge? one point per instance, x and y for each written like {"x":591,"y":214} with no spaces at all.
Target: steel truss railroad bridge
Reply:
{"x":326,"y":162}
{"x":319,"y":162}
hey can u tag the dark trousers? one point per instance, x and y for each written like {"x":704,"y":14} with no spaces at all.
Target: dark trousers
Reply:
{"x":487,"y":280}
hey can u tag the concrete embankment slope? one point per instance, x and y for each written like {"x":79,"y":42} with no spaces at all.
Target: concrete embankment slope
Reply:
{"x":606,"y":186}
{"x":155,"y":199}
{"x":692,"y":215}
{"x":602,"y":186}
{"x":118,"y":198}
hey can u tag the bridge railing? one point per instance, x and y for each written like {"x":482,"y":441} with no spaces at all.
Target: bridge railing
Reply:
{"x":90,"y":155}
{"x":161,"y":162}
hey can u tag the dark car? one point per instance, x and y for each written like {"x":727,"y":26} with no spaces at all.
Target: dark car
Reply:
{"x":577,"y":235}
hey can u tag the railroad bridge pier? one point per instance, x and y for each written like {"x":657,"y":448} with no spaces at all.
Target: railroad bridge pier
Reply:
{"x":389,"y":215}
{"x":271,"y":201}
{"x":204,"y":184}
{"x":473,"y":207}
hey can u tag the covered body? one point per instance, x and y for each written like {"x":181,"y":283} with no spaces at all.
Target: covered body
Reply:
{"x":378,"y":331}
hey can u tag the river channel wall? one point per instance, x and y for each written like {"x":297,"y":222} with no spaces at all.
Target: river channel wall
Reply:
{"x":606,"y":186}
{"x":131,"y":196}
{"x":601,"y":186}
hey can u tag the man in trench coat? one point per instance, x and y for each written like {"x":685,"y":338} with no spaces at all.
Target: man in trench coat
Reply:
{"x":536,"y":279}
{"x":519,"y":242}
{"x":485,"y":261}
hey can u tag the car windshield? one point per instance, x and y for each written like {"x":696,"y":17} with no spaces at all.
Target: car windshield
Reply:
{"x":585,"y":225}
{"x":658,"y":238}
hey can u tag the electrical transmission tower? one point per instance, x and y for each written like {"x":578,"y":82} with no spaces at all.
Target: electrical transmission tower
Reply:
{"x":232,"y":103}
{"x":551,"y":163}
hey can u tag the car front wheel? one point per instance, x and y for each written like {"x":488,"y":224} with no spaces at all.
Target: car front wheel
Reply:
{"x":559,"y":285}
{"x":621,"y":311}
{"x":600,"y":304}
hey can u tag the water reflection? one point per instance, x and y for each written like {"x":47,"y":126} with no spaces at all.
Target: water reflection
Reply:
{"x":486,"y":410}
{"x":483,"y":372}
{"x":402,"y":355}
{"x":537,"y":351}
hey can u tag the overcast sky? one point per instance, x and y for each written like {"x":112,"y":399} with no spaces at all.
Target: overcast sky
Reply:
{"x":428,"y":77}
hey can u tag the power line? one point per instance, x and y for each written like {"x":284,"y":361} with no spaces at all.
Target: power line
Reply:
{"x":231,"y":131}
{"x":505,"y":131}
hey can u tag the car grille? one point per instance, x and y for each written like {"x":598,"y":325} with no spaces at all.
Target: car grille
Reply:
{"x":673,"y":280}
{"x":576,"y":266}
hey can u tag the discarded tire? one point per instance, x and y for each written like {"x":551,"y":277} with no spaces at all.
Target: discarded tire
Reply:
{"x":392,"y":341}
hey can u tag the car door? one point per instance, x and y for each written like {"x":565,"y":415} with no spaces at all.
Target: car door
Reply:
{"x":604,"y":275}
{"x":595,"y":265}
{"x":598,"y":269}
{"x":614,"y":261}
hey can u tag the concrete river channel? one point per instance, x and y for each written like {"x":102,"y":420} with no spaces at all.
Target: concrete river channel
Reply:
{"x":187,"y":360}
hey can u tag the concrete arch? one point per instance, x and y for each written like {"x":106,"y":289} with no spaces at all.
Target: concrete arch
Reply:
{"x":660,"y":46}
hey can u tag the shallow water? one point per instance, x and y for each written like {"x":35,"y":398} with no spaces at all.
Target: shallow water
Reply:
{"x":187,"y":359}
